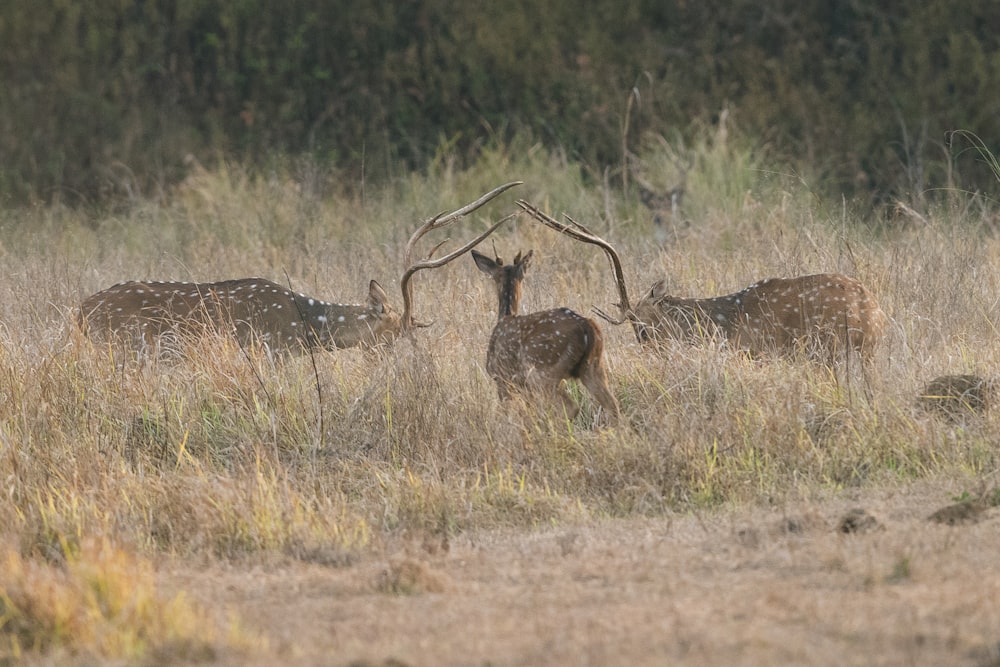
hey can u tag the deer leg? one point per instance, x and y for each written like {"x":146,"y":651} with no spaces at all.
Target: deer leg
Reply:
{"x":504,"y":389}
{"x":595,"y":380}
{"x":539,"y":383}
{"x":569,"y":405}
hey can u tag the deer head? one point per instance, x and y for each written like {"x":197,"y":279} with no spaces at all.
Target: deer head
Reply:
{"x":146,"y":314}
{"x":536,"y":352}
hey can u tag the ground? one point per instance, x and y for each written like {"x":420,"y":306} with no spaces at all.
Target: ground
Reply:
{"x":857,"y":578}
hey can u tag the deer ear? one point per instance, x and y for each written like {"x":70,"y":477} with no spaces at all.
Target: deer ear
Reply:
{"x":376,"y":297}
{"x":659,"y":290}
{"x":525,"y":260}
{"x":485,"y":264}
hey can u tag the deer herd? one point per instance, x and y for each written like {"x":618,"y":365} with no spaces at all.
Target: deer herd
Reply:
{"x":829,"y":317}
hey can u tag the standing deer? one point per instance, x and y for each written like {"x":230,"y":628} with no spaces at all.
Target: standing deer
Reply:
{"x":665,"y":209}
{"x":537,"y":351}
{"x":146,"y":314}
{"x":828,"y":313}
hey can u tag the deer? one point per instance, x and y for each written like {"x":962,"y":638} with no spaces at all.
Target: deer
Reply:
{"x":536,"y":352}
{"x":146,"y":315}
{"x":829,"y":315}
{"x":665,"y":206}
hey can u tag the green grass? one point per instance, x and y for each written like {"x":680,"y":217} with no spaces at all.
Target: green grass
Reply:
{"x":233,"y":455}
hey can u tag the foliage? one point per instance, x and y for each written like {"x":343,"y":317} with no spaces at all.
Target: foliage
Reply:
{"x":110,"y":98}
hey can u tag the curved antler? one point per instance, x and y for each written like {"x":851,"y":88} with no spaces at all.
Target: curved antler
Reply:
{"x":577,"y":231}
{"x":437,"y":222}
{"x":443,"y":220}
{"x":408,"y":321}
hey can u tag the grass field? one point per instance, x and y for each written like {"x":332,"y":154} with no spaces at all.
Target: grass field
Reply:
{"x":349,"y":507}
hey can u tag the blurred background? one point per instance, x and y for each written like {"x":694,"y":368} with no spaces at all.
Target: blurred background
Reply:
{"x":105,"y":99}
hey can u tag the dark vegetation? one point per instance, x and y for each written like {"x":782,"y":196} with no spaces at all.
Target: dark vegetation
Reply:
{"x":106,"y":99}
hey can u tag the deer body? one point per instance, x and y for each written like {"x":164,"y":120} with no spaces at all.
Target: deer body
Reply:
{"x":537,"y":351}
{"x":826,"y":313}
{"x":255,"y":310}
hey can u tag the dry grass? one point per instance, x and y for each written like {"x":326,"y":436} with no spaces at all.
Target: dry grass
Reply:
{"x":786,"y":584}
{"x":228,"y":456}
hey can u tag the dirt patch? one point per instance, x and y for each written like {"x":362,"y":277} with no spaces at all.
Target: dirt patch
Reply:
{"x":824,"y":584}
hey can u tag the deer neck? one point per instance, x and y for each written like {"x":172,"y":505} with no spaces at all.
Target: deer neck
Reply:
{"x":335,"y":325}
{"x":510,"y":297}
{"x":721,"y":311}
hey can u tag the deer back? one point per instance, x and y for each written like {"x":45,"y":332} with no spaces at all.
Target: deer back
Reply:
{"x":254,"y":309}
{"x":830,"y":310}
{"x":557,"y":343}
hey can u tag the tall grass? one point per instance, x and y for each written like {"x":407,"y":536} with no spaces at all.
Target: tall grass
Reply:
{"x":227,"y":453}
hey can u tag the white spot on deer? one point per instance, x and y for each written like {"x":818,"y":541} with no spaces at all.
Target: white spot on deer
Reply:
{"x":363,"y":316}
{"x":341,"y":318}
{"x":312,"y":302}
{"x":321,"y":319}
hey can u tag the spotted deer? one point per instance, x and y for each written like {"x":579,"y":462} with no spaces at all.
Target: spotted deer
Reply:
{"x":828,"y":315}
{"x":152,"y":315}
{"x":537,"y":351}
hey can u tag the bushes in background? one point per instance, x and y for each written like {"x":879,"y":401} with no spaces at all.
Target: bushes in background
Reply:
{"x":108,"y":98}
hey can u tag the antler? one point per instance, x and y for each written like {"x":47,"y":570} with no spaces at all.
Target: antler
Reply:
{"x":408,"y":321}
{"x":577,"y":231}
{"x":437,"y":222}
{"x":443,"y":220}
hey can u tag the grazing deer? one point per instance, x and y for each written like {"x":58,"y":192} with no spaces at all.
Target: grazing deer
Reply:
{"x":537,"y":351}
{"x":257,"y":311}
{"x":828,"y":313}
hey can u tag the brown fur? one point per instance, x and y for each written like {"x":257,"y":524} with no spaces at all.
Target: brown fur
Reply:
{"x":827,"y":314}
{"x":146,"y":314}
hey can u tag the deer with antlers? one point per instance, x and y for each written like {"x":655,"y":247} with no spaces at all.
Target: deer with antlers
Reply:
{"x":829,"y":315}
{"x":537,"y":351}
{"x":147,"y":314}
